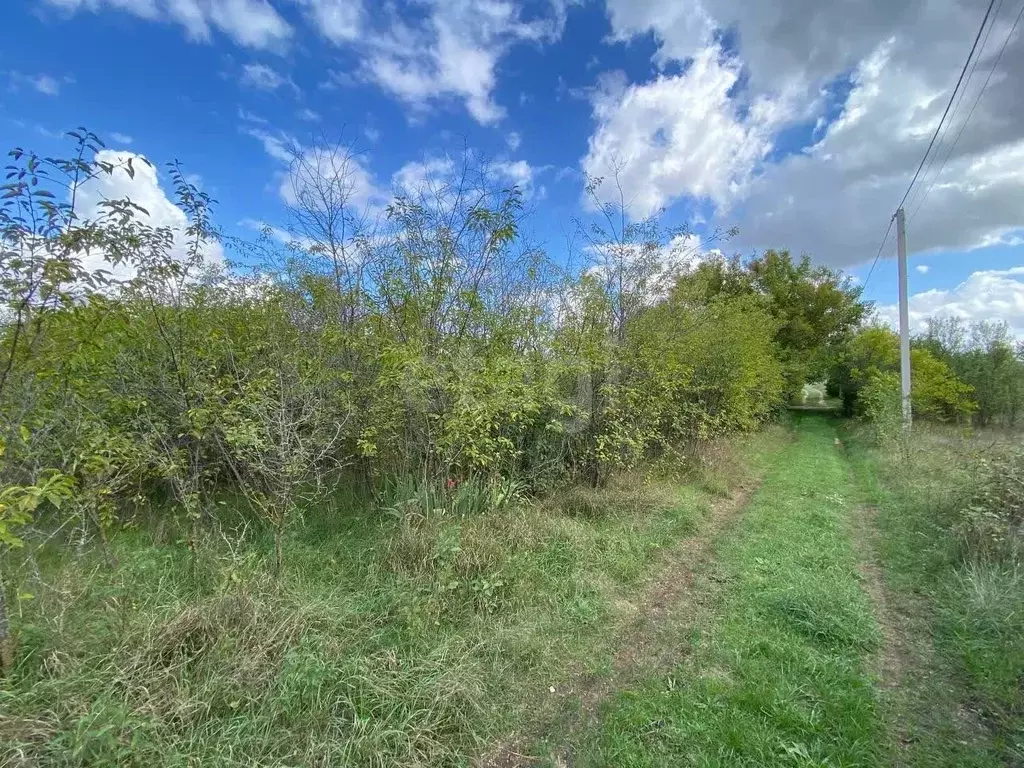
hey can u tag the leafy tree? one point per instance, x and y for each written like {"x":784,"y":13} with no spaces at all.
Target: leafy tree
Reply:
{"x":816,"y":309}
{"x":983,"y":355}
{"x":869,"y":367}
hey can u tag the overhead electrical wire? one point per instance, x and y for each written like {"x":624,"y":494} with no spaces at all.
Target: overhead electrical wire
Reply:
{"x":935,"y":136}
{"x":878,"y":255}
{"x":949,"y":152}
{"x":959,"y":100}
{"x":952,"y":96}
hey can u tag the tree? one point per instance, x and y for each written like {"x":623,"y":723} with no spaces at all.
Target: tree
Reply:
{"x":816,"y":309}
{"x":869,"y":368}
{"x":983,"y":355}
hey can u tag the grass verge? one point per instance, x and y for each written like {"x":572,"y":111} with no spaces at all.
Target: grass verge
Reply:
{"x":779,"y":675}
{"x":960,"y":700}
{"x":414,"y":641}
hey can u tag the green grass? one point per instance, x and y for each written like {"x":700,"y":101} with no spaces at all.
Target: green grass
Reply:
{"x":780,"y":675}
{"x":411,"y":642}
{"x":961,"y":702}
{"x":410,"y":639}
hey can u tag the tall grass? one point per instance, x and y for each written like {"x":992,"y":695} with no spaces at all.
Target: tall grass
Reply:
{"x":950,"y":511}
{"x":409,"y":629}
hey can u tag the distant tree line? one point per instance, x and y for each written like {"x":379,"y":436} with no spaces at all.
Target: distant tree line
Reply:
{"x":959,"y":372}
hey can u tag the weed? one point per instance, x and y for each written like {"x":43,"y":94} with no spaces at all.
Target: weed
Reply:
{"x":407,"y":639}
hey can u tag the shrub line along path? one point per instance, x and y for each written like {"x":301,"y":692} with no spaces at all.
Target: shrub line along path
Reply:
{"x":766,"y":638}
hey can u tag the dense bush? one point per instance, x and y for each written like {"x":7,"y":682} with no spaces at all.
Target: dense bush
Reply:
{"x":425,"y":346}
{"x":866,"y":376}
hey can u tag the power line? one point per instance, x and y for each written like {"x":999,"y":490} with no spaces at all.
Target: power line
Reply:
{"x":878,"y":255}
{"x":952,"y":96}
{"x":995,"y":66}
{"x":959,"y":100}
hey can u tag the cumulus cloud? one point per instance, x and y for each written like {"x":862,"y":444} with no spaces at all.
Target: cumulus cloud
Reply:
{"x":993,"y":295}
{"x":922,"y":269}
{"x":890,"y":66}
{"x":679,"y":135}
{"x":145,"y":190}
{"x":518,"y":173}
{"x":792,"y":41}
{"x":438,"y":49}
{"x":251,"y":23}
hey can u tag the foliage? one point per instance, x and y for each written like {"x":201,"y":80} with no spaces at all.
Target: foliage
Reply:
{"x":984,"y":356}
{"x":816,"y":309}
{"x":192,"y":397}
{"x":866,"y":376}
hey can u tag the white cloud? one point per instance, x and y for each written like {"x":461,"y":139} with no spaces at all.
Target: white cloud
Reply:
{"x":265,"y":78}
{"x":782,"y":43}
{"x":834,"y":198}
{"x":438,"y":50}
{"x":513,"y":140}
{"x":438,"y":177}
{"x":340,"y":171}
{"x":513,"y":172}
{"x":340,"y":21}
{"x":420,"y":177}
{"x":280,"y":146}
{"x":251,"y":23}
{"x":121,"y":138}
{"x":46,"y":84}
{"x":993,"y":295}
{"x":309,"y":115}
{"x":250,"y":117}
{"x":922,"y":269}
{"x":423,"y":52}
{"x":678,"y":135}
{"x":144,"y":190}
{"x":646,"y":270}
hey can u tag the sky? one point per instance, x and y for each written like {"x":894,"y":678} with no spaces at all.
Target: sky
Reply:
{"x":801,"y":123}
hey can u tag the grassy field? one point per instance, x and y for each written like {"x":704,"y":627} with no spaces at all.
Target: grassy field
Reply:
{"x":829,"y":615}
{"x":957,"y":606}
{"x":389,"y":639}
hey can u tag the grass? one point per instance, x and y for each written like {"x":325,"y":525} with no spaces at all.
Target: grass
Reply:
{"x":399,"y":639}
{"x":779,"y":675}
{"x":427,"y":633}
{"x":961,"y":701}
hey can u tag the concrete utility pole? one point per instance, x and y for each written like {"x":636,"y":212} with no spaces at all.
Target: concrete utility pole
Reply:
{"x":901,"y":244}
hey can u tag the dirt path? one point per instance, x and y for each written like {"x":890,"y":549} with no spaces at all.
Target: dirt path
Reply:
{"x":892,"y":659}
{"x":653,"y":635}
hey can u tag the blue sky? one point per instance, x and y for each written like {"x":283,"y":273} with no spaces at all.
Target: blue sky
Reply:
{"x":722,"y":112}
